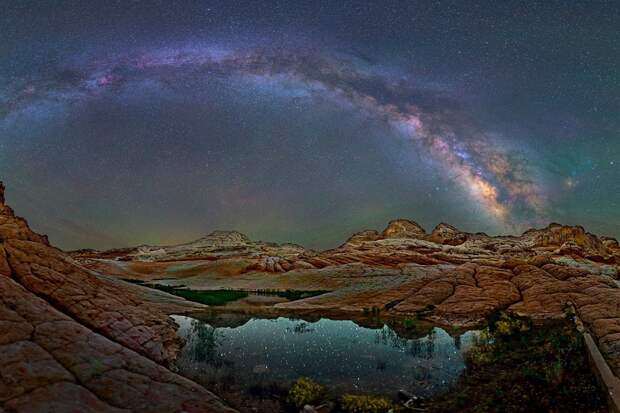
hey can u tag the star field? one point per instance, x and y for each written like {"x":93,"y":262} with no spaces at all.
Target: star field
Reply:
{"x":157,"y":122}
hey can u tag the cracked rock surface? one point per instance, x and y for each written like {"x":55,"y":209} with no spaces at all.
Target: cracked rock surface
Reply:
{"x":73,"y":341}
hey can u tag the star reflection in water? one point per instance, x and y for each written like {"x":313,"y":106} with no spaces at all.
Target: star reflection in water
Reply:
{"x":337,"y":353}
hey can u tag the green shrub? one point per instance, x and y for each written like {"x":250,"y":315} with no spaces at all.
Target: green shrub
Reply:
{"x":517,"y":366}
{"x":410,"y":323}
{"x":351,"y":403}
{"x":479,"y":356}
{"x":208,"y":297}
{"x":305,"y":391}
{"x":506,"y":325}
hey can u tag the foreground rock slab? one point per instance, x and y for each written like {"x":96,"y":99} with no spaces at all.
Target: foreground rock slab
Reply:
{"x":50,"y":362}
{"x":73,"y":341}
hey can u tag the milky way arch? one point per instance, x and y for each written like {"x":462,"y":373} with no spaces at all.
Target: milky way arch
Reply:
{"x":488,"y":173}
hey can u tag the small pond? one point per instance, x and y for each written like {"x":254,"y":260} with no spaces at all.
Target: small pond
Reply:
{"x":337,"y":353}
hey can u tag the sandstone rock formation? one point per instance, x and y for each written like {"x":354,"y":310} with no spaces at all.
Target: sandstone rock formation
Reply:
{"x":446,"y":276}
{"x":72,"y":340}
{"x":402,"y":228}
{"x":75,"y":336}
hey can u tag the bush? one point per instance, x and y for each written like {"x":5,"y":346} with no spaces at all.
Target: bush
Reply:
{"x":365,"y":404}
{"x":507,"y":325}
{"x":305,"y":391}
{"x":410,"y":323}
{"x":516,"y":366}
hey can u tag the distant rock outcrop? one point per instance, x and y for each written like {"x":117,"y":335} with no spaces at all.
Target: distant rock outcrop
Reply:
{"x":403,"y":228}
{"x":402,"y":241}
{"x":447,"y":234}
{"x":363,"y":236}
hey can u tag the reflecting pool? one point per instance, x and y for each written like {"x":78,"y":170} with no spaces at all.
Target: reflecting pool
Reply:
{"x":337,"y":353}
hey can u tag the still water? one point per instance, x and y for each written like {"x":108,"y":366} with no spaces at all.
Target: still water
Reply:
{"x":337,"y":353}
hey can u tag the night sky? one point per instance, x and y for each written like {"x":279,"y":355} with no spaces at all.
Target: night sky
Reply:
{"x":130,"y":122}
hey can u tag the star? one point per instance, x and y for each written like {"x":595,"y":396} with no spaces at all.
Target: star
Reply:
{"x":570,"y":183}
{"x":124,"y":123}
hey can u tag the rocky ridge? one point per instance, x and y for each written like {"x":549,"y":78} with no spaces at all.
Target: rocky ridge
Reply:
{"x":401,"y":242}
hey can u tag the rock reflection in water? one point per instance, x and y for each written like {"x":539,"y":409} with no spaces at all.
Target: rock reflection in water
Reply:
{"x":205,"y":342}
{"x":336,"y":353}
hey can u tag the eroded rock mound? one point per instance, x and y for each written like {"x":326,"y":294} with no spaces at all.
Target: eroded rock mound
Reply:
{"x":403,"y":228}
{"x":447,"y":234}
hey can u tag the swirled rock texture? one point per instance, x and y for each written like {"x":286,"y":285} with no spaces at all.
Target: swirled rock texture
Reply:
{"x":75,"y":341}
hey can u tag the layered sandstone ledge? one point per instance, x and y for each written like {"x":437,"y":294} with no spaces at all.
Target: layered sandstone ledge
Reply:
{"x":71,"y":340}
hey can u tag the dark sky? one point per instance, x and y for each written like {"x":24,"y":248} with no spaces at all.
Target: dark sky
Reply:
{"x":129,"y":122}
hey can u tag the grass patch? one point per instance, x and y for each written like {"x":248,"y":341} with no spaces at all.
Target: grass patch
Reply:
{"x":221,"y":297}
{"x":208,"y":297}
